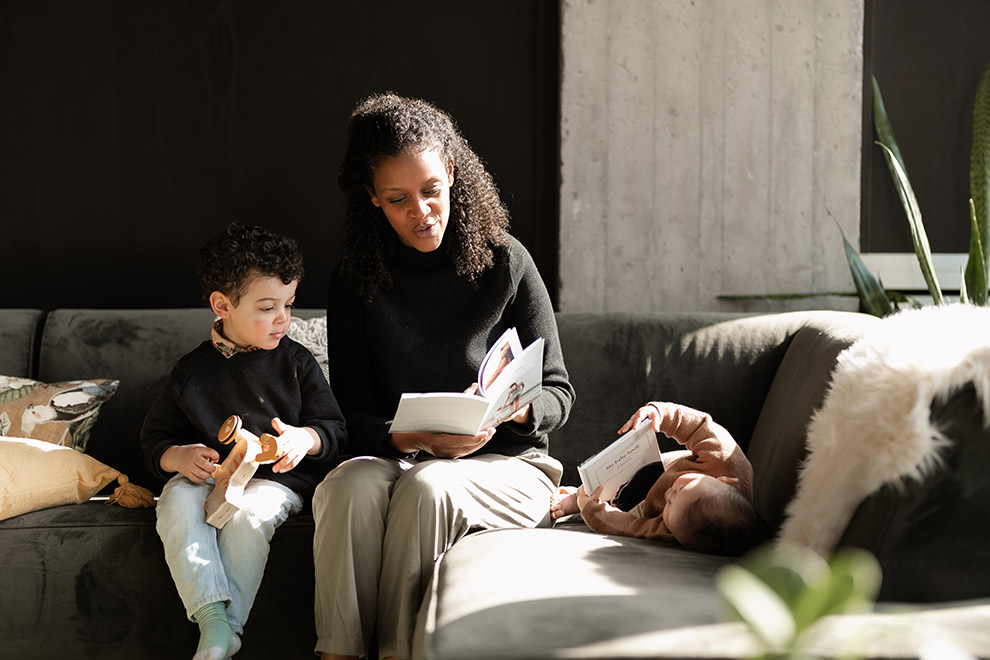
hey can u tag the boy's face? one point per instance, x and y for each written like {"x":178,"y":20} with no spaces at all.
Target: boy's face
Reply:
{"x":262,"y":315}
{"x":687,"y":491}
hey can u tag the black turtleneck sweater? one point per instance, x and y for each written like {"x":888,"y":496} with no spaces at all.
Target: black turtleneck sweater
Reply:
{"x":205,"y":388}
{"x":429,"y":333}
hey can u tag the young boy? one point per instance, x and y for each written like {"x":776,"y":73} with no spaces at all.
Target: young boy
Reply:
{"x":702,"y":500}
{"x":249,"y":368}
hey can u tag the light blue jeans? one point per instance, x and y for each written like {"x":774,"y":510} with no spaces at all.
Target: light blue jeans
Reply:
{"x":226,"y":565}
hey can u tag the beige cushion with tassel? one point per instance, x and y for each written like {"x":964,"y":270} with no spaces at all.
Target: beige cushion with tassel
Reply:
{"x":37,"y":475}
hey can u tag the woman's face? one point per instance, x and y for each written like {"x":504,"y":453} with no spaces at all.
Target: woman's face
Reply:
{"x":413,"y":190}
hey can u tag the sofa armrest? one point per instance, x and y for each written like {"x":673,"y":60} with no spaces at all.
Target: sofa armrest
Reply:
{"x":778,"y":444}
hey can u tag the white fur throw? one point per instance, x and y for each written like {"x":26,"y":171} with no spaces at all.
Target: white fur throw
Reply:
{"x":874,"y":425}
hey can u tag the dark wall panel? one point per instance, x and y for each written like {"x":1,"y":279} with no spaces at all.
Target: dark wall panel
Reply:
{"x":928,"y":56}
{"x":131,"y":131}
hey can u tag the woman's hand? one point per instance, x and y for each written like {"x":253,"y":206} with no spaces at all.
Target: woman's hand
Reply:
{"x":297,"y":442}
{"x":195,"y":462}
{"x":441,"y":445}
{"x":522,"y":416}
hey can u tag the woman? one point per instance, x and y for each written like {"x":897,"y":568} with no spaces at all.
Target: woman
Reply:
{"x":429,"y":279}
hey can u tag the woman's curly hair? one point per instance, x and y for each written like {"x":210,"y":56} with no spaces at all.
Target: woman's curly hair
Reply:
{"x":386,"y":125}
{"x":236,"y":255}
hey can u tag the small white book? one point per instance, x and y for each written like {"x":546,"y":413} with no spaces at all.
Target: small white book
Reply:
{"x":616,"y":465}
{"x":508,"y":379}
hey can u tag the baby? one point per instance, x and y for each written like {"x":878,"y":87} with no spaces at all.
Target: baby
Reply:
{"x":702,"y":500}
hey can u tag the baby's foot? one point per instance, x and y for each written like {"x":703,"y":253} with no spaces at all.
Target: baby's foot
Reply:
{"x":564,"y":502}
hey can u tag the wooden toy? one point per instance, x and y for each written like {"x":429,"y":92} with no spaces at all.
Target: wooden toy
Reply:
{"x":236,"y":471}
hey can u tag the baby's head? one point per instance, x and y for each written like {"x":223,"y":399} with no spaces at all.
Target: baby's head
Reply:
{"x":710,"y":514}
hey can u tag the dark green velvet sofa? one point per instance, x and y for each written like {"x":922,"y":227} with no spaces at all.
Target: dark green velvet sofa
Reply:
{"x":89,"y":581}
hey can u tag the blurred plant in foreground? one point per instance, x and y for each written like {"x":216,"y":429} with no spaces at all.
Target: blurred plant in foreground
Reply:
{"x":779,"y":591}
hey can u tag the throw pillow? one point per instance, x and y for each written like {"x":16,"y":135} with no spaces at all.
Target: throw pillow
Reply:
{"x":59,"y":413}
{"x":36,"y":475}
{"x":312,"y":333}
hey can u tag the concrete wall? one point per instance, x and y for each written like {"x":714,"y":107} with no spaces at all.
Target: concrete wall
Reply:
{"x":701,"y":143}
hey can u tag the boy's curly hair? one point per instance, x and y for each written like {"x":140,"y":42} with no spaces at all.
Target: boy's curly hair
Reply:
{"x":386,"y":125}
{"x":232,"y":258}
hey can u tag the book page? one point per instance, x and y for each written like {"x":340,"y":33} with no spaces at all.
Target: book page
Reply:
{"x":501,"y":353}
{"x":513,"y":378}
{"x":519,"y":383}
{"x":440,"y":412}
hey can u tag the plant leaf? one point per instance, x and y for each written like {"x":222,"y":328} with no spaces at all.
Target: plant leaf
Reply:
{"x":973,"y":288}
{"x":850,"y":585}
{"x":881,"y":121}
{"x":979,"y":182}
{"x":872,"y":297}
{"x":918,"y":235}
{"x":892,"y":153}
{"x":758,"y":605}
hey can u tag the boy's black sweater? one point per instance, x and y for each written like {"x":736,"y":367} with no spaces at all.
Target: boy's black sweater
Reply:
{"x":205,"y":388}
{"x":429,"y":333}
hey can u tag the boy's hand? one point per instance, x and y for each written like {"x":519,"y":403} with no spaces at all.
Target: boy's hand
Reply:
{"x":195,"y":462}
{"x":297,"y":441}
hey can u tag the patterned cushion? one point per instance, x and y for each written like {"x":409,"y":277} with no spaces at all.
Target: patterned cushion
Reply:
{"x":312,"y":333}
{"x":60,"y":413}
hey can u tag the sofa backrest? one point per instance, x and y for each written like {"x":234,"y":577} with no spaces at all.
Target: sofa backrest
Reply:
{"x":743,"y":369}
{"x":760,"y":376}
{"x":137,"y":347}
{"x":20,"y":332}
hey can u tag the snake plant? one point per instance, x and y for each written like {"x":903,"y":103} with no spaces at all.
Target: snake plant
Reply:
{"x":874,"y":299}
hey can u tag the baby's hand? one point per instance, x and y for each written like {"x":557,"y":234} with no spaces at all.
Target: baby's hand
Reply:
{"x":297,"y":442}
{"x":563,"y":502}
{"x":583,"y":498}
{"x":647,"y":412}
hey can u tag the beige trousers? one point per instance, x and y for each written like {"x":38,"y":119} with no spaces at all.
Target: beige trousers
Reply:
{"x":381,"y":524}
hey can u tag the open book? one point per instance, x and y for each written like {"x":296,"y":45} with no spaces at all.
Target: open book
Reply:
{"x":508,"y":379}
{"x":616,"y":465}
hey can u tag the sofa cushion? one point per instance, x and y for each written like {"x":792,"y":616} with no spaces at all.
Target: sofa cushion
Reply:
{"x":36,"y":475}
{"x":90,"y":581}
{"x":60,"y":413}
{"x":312,"y":333}
{"x":550,"y":593}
